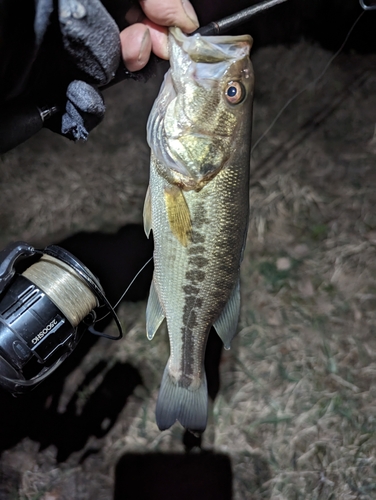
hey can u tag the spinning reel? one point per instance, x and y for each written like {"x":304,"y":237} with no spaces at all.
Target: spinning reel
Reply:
{"x":44,"y":311}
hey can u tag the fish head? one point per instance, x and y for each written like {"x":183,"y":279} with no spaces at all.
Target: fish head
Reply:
{"x":205,"y":102}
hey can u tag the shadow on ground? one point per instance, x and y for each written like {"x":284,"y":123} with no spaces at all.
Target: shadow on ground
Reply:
{"x":159,"y":475}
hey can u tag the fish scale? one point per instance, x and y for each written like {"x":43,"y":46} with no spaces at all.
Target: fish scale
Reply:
{"x":197,"y":208}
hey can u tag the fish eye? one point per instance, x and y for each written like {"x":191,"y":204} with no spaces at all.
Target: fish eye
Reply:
{"x":235,"y":92}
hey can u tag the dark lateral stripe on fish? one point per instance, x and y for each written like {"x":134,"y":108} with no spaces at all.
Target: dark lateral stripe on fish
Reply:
{"x":192,"y":301}
{"x":187,"y":333}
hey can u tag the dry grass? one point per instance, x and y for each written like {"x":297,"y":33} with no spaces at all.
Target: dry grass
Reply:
{"x":297,"y":407}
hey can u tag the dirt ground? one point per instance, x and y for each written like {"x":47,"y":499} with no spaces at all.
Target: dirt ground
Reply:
{"x":296,"y":411}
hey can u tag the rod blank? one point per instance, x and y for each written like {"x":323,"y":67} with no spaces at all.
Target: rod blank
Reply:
{"x":225,"y":24}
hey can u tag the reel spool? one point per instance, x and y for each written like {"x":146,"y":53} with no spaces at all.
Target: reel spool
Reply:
{"x":43,"y":313}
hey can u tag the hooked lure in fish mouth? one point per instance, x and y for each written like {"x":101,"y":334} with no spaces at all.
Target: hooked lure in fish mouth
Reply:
{"x":199,"y":132}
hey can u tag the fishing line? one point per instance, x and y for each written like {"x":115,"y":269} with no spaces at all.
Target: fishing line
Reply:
{"x":311,"y":84}
{"x":128,"y":287}
{"x":134,"y":279}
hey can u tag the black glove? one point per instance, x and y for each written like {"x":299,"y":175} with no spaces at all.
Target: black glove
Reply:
{"x":91,"y":38}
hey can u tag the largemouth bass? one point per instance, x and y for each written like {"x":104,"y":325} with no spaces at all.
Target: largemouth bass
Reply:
{"x":199,"y":132}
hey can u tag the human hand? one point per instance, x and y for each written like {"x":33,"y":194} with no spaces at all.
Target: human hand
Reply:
{"x":148,"y":30}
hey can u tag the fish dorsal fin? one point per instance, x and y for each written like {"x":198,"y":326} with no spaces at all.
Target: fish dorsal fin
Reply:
{"x":227,"y":323}
{"x":147,"y":213}
{"x":154,"y":313}
{"x":178,"y":214}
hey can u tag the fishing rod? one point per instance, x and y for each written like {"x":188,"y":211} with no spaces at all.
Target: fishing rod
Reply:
{"x":237,"y":19}
{"x":22,"y":119}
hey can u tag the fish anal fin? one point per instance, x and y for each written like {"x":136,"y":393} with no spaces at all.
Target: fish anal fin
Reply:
{"x":177,"y":403}
{"x":227,"y":323}
{"x":147,"y":213}
{"x":154,"y":313}
{"x":178,"y":214}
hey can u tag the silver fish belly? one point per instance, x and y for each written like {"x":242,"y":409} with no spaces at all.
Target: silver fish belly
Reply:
{"x":199,"y":132}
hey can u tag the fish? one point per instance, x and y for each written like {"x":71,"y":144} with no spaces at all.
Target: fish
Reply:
{"x":197,"y":205}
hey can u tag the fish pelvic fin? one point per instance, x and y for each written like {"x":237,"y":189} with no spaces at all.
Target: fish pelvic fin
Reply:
{"x":154,"y":313}
{"x":147,"y":213}
{"x":227,"y":323}
{"x":177,"y":403}
{"x":178,"y":214}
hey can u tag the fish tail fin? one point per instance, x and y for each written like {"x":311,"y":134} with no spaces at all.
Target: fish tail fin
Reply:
{"x":189,"y":407}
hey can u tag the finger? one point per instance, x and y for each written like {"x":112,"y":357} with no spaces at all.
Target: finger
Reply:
{"x":171,"y":13}
{"x":159,"y":39}
{"x":136,"y":44}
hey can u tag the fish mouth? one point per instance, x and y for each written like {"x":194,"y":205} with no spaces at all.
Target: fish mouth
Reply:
{"x":212,"y":49}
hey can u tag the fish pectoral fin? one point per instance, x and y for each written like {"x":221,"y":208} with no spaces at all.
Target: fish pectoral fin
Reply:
{"x":189,"y":407}
{"x":154,"y":313}
{"x":178,"y":214}
{"x":227,"y":323}
{"x":147,"y":213}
